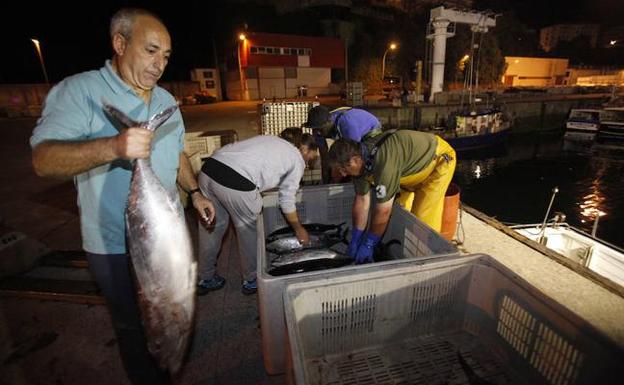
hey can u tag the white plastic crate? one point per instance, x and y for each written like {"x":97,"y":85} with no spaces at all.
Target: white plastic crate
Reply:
{"x":276,"y":116}
{"x":312,"y":176}
{"x":199,"y":145}
{"x":328,"y":204}
{"x":202,"y":145}
{"x":355,"y":86}
{"x":411,"y":324}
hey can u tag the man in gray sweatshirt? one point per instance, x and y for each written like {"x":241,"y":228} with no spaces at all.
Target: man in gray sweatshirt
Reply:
{"x":233,"y":179}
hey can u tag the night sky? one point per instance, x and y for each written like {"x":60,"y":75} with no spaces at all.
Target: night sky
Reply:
{"x":74,"y":37}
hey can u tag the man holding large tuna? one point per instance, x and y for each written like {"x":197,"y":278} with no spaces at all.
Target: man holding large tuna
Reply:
{"x":76,"y":138}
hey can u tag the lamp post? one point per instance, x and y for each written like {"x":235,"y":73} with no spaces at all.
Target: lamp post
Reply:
{"x":346,"y":60}
{"x":38,"y":48}
{"x":391,"y":47}
{"x":241,"y":40}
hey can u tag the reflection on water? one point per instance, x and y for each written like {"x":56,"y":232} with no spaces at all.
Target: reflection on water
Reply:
{"x":513,"y":183}
{"x":475,"y":169}
{"x":593,"y":204}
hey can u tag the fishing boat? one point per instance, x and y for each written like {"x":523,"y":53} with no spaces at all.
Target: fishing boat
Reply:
{"x":477,"y":128}
{"x":611,"y":126}
{"x":479,"y":122}
{"x":591,"y":252}
{"x":582,"y":124}
{"x":585,"y":249}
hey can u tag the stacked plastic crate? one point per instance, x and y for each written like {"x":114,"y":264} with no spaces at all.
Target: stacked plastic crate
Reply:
{"x":200,"y":145}
{"x":355,"y":93}
{"x":277,"y":116}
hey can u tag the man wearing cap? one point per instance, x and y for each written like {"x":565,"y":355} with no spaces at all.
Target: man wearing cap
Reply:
{"x":344,"y":122}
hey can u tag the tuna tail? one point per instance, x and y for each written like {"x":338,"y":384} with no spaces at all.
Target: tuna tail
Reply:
{"x":152,"y":124}
{"x":118,"y":116}
{"x":158,"y":119}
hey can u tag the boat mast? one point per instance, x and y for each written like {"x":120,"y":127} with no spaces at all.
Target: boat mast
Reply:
{"x":541,"y":239}
{"x":439,"y":20}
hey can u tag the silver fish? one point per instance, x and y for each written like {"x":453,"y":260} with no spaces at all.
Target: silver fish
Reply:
{"x":162,"y":256}
{"x":309,"y":260}
{"x":312,"y":228}
{"x":291,"y":243}
{"x":305,"y":255}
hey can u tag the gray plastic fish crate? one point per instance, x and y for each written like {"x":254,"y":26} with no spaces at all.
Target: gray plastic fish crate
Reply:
{"x":276,"y":116}
{"x":465,"y":320}
{"x":328,"y":204}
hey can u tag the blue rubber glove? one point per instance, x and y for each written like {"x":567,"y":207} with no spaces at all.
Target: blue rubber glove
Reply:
{"x":365,"y":251}
{"x":356,"y":237}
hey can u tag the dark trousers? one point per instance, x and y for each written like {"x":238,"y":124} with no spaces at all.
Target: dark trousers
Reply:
{"x":321,"y":142}
{"x":114,"y":278}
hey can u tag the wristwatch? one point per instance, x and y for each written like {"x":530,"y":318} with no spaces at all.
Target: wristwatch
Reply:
{"x":193,"y":191}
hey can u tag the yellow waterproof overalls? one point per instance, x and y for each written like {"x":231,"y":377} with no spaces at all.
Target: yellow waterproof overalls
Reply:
{"x":422,"y":193}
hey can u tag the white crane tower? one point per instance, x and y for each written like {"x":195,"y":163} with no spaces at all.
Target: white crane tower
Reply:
{"x":440,"y":19}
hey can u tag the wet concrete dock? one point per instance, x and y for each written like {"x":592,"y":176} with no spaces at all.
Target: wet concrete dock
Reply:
{"x":43,"y":341}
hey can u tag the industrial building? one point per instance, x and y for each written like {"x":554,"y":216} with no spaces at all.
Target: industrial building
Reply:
{"x":284,"y":66}
{"x":534,"y":71}
{"x":209,"y":82}
{"x":553,"y":35}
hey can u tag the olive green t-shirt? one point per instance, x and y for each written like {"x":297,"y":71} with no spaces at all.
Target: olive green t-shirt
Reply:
{"x":404,"y":153}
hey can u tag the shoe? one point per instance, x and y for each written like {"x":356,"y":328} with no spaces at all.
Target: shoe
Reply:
{"x":207,"y":285}
{"x":249,"y":287}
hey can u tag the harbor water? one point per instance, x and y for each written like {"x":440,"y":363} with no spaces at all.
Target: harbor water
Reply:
{"x":513,"y":183}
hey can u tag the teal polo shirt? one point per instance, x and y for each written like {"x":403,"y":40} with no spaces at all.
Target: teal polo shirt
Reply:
{"x":73,"y":112}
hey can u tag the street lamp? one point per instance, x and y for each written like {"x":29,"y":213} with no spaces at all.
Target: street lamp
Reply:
{"x":241,"y":40}
{"x":391,"y":47}
{"x":37,"y":46}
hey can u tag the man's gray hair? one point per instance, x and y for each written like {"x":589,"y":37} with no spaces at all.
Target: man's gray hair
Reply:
{"x":122,"y":21}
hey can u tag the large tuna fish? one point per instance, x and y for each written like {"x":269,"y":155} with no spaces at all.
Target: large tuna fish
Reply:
{"x":162,"y":256}
{"x":305,"y":255}
{"x":322,"y":236}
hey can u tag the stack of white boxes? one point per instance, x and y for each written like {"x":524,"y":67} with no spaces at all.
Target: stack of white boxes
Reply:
{"x":277,"y":116}
{"x":355,"y":93}
{"x":197,"y":148}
